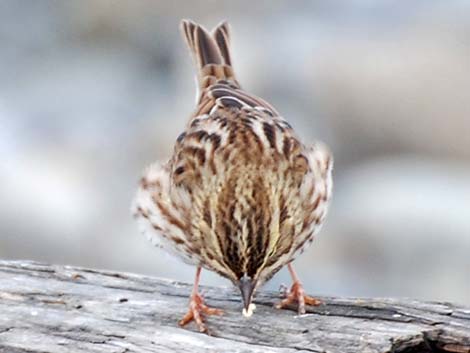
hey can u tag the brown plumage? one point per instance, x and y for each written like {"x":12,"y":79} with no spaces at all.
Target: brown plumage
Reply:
{"x":241,"y":195}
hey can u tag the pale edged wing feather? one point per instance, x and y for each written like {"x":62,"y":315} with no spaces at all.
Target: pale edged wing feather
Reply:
{"x":226,"y":94}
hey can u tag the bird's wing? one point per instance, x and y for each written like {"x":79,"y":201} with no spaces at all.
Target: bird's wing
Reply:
{"x":162,"y":212}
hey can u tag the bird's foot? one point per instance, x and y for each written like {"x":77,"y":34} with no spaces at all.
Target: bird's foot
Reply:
{"x":297,"y":294}
{"x":197,"y":309}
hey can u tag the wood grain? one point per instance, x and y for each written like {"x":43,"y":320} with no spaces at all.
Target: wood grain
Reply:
{"x":50,"y":308}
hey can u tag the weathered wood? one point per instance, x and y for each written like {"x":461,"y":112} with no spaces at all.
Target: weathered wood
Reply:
{"x":47,"y":308}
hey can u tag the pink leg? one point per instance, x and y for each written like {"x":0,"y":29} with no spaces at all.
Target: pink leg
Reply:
{"x":297,"y":294}
{"x":197,"y":307}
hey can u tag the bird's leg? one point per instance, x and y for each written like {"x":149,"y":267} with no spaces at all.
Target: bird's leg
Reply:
{"x":297,"y":294}
{"x":197,"y":307}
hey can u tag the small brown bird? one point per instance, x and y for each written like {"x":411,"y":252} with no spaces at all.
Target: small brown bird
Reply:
{"x":241,"y":195}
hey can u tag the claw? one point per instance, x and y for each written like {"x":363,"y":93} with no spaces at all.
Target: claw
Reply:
{"x":297,"y":294}
{"x":196,"y":310}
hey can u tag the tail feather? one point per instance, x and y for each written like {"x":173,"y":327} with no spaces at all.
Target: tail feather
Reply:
{"x":210,"y":51}
{"x":221,"y":34}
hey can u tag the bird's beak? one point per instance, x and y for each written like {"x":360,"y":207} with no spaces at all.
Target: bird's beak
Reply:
{"x":247,"y":286}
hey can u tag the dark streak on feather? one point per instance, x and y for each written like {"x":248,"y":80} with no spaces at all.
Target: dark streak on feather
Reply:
{"x":165,"y":213}
{"x":270,"y":134}
{"x":230,"y":102}
{"x":179,"y":170}
{"x":181,"y":137}
{"x":195,"y":122}
{"x":286,"y":146}
{"x":215,"y":139}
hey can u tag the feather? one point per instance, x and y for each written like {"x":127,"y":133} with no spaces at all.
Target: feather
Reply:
{"x":221,"y":34}
{"x":210,"y":52}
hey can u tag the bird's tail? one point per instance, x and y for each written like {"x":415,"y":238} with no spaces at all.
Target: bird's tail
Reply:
{"x":210,"y":51}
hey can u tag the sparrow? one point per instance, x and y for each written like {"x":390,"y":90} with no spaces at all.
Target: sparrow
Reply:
{"x":241,"y":195}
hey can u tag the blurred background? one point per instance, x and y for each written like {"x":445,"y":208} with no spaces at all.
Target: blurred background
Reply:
{"x":92,"y":91}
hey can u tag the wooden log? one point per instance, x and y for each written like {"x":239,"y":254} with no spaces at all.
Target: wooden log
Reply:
{"x":50,"y":308}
